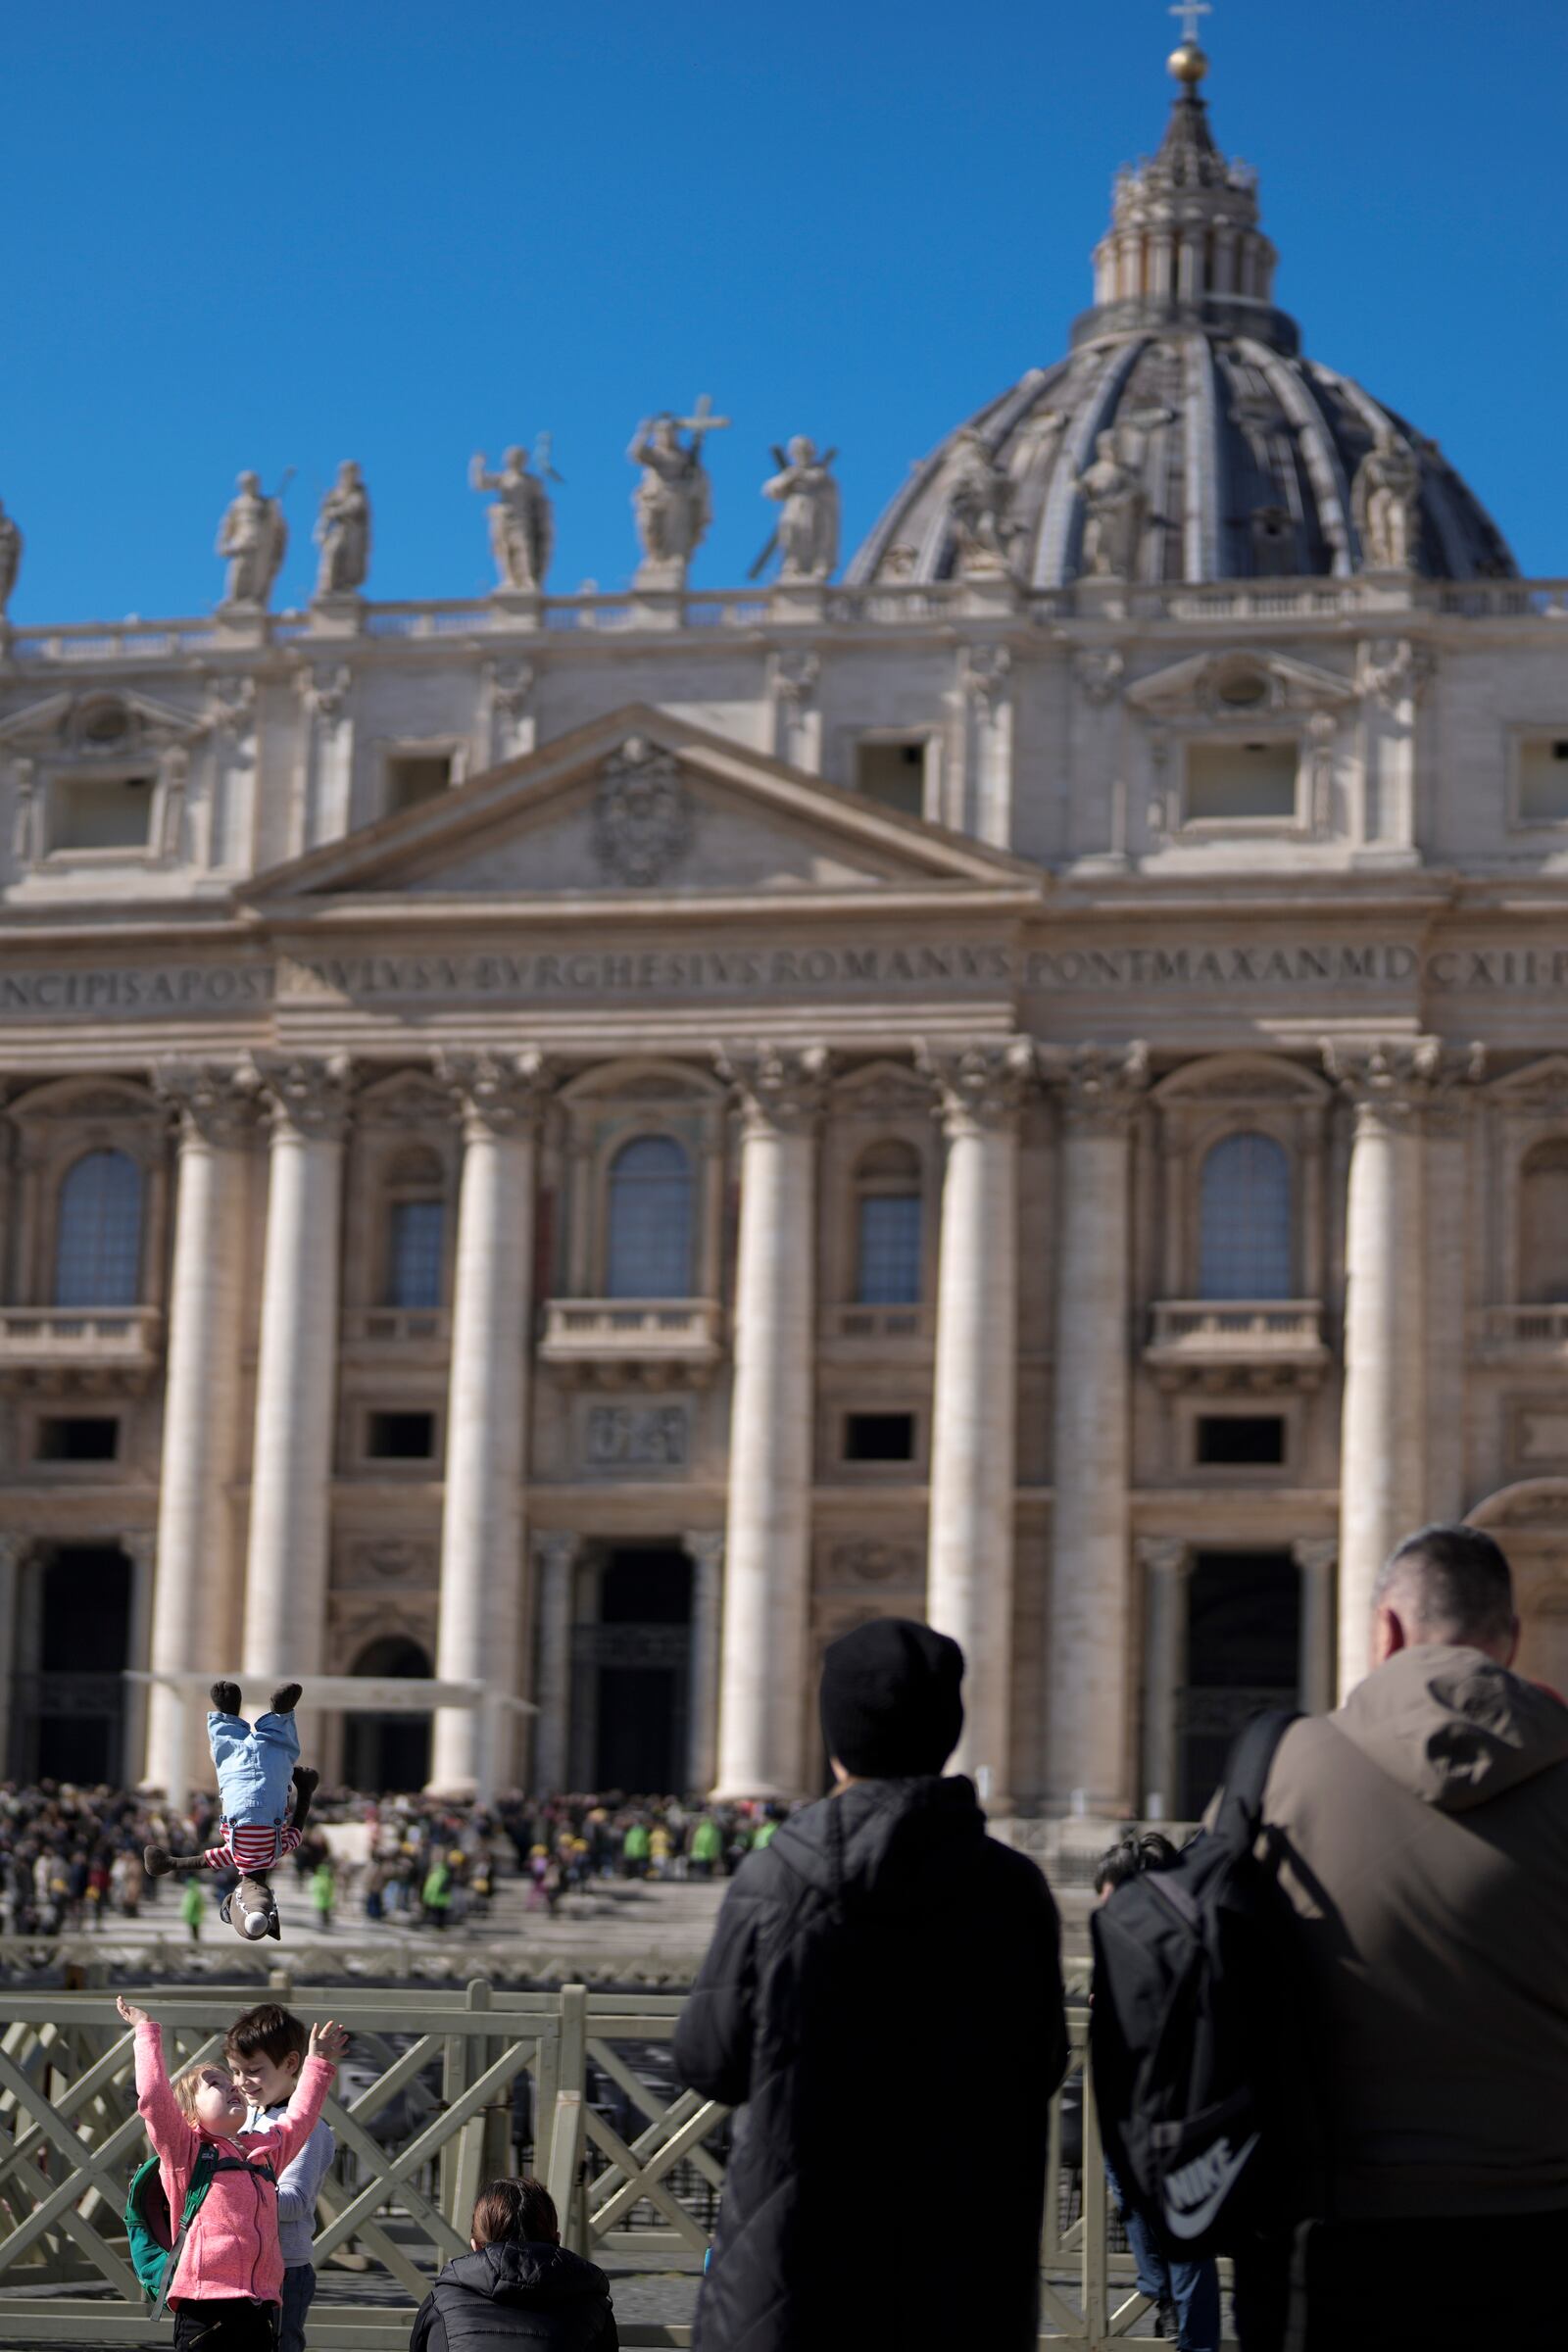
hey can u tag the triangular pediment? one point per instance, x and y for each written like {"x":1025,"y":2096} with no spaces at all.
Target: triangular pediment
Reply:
{"x":644,"y":806}
{"x":1240,"y":685}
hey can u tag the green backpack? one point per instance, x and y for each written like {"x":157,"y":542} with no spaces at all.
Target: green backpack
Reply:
{"x":155,"y":2245}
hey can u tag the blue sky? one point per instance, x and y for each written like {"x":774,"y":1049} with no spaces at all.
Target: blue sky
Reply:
{"x":238,"y":236}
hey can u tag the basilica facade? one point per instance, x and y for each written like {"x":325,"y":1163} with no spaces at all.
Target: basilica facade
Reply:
{"x":580,"y":1145}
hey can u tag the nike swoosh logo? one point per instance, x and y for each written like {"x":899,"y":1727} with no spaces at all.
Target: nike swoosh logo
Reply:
{"x":1194,"y":2223}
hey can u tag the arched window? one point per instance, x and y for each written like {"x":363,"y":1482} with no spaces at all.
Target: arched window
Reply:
{"x":1244,"y":1220}
{"x":1543,"y":1226}
{"x":887,"y":1226}
{"x":98,"y":1238}
{"x":416,"y":1231}
{"x":649,"y":1247}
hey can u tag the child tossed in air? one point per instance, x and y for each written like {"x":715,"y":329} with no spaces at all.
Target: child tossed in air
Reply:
{"x":258,"y":1764}
{"x":228,"y":2281}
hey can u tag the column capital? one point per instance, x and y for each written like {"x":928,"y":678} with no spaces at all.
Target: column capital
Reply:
{"x":781,"y":1088}
{"x":141,"y":1544}
{"x":980,"y":1087}
{"x":304,"y":1094}
{"x":498,"y":1094}
{"x":1164,"y":1555}
{"x":705,"y":1546}
{"x":15,"y":1549}
{"x":1100,"y":1086}
{"x":556,"y":1547}
{"x":1392,"y":1079}
{"x":214,"y":1104}
{"x":1314,"y":1555}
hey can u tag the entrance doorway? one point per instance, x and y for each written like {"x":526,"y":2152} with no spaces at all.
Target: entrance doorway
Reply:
{"x":634,"y":1670}
{"x":1243,"y":1643}
{"x":388,"y":1754}
{"x":70,"y":1713}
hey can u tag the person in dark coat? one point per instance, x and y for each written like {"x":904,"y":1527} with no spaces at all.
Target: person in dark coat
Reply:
{"x":518,"y":2285}
{"x":883,"y":1998}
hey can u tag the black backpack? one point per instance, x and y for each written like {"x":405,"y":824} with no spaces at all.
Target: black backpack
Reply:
{"x":1201,"y":2077}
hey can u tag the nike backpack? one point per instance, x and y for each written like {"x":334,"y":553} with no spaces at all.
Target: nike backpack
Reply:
{"x":1201,"y":2078}
{"x":155,"y":2245}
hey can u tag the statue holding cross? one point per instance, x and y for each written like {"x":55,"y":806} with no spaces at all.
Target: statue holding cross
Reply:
{"x":673,"y":502}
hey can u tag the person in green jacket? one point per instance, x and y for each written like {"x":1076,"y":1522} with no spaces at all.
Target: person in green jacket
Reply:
{"x":323,"y":1894}
{"x":437,"y":1895}
{"x":706,"y":1847}
{"x":192,"y":1903}
{"x":634,"y":1850}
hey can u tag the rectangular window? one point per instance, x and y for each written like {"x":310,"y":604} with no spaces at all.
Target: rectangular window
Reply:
{"x":893,"y":774}
{"x":415,"y":1252}
{"x":101,"y":812}
{"x":1543,"y":780}
{"x":879,"y":1436}
{"x":889,"y":1250}
{"x":1238,"y":1440}
{"x":416,"y":776}
{"x":399,"y":1436}
{"x":1240,"y":782}
{"x":79,"y":1438}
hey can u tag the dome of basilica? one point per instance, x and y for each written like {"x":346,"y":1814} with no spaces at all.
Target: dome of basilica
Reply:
{"x":1185,"y":437}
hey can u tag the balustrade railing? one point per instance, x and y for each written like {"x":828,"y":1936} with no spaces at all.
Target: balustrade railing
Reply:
{"x":39,"y":1338}
{"x":1530,"y":1330}
{"x":424,"y":2117}
{"x":1224,"y":1327}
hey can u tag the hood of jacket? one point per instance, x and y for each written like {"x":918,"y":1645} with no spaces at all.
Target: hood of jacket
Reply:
{"x":1455,"y":1727}
{"x":893,"y":1840}
{"x":543,"y":2278}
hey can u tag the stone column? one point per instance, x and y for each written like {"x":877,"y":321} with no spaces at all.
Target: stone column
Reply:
{"x":1315,"y":1559}
{"x":555,"y":1572}
{"x":987,"y":744}
{"x":1380,"y":1448}
{"x":768,"y":1533}
{"x":974,"y":1406}
{"x":479,"y":1633}
{"x":1088,"y":1743}
{"x":296,"y":1373}
{"x":141,"y":1549}
{"x":706,"y":1555}
{"x":194,"y":1596}
{"x":1165,"y":1564}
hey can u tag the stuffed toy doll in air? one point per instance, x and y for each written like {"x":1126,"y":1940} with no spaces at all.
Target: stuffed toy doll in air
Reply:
{"x":258,"y":1766}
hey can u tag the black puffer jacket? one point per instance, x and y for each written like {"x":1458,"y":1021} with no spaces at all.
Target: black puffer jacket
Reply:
{"x":884,"y":1993}
{"x":515,"y":2295}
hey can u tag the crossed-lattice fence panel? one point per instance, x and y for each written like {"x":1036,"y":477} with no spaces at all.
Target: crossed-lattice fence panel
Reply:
{"x":423,"y":2118}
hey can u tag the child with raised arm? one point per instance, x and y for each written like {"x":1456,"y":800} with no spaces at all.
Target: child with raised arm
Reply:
{"x":266,"y":2053}
{"x":228,"y":2281}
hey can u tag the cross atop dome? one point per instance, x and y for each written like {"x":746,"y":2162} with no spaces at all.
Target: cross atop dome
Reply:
{"x":1190,"y":62}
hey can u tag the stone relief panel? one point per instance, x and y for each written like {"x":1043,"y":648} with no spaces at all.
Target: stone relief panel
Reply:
{"x":388,"y":1564}
{"x":1536,"y":1434}
{"x":883,"y":1571}
{"x":633,"y":1440}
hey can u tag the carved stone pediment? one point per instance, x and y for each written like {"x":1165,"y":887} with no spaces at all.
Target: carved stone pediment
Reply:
{"x":1238,"y":688}
{"x":1241,"y":1078}
{"x":111,"y":724}
{"x":1541,"y":1086}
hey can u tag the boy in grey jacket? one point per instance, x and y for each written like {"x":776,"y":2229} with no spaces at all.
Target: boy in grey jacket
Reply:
{"x":264,"y":2050}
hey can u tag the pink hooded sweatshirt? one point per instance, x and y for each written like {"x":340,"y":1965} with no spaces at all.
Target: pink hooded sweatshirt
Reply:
{"x":232,"y":2249}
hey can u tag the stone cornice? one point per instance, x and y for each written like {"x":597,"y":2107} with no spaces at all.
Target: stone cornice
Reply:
{"x":498,"y":1094}
{"x":781,"y":1088}
{"x":980,"y":1087}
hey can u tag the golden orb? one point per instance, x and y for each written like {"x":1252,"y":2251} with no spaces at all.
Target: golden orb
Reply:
{"x":1187,"y":64}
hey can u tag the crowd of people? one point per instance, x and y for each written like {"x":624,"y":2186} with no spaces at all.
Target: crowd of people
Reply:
{"x":71,"y":1860}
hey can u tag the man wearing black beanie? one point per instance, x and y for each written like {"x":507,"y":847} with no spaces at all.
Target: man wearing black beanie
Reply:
{"x":883,"y":1998}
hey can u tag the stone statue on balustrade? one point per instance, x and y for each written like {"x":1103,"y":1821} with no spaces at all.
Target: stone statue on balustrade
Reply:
{"x":343,"y":534}
{"x":522,"y":527}
{"x":1385,"y":504}
{"x":673,"y":501}
{"x":980,"y":504}
{"x":1116,"y":510}
{"x":254,"y":538}
{"x":806,"y":539}
{"x":10,"y":557}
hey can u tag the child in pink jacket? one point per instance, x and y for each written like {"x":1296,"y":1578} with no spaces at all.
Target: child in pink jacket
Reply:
{"x":228,"y":2285}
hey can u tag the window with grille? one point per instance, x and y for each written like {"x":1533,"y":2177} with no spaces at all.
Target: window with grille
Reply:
{"x":650,"y":1240}
{"x":1244,"y":1220}
{"x":888,"y":1227}
{"x":1544,"y":1227}
{"x":415,"y":1252}
{"x":98,"y":1238}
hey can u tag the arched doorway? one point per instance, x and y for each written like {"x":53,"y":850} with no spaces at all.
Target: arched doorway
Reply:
{"x":71,"y":1713}
{"x":388,"y":1754}
{"x":633,"y":1671}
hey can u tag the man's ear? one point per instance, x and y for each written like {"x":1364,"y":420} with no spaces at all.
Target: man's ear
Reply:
{"x":1389,"y":1634}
